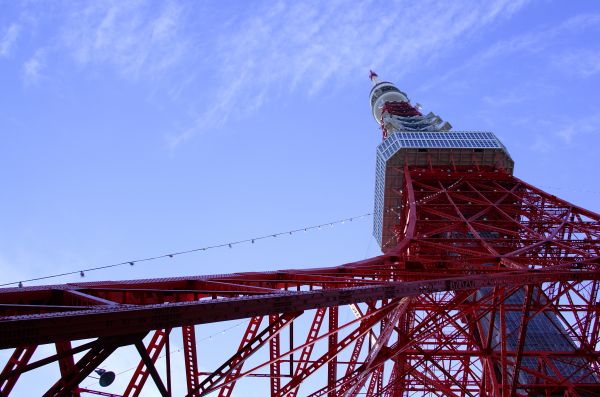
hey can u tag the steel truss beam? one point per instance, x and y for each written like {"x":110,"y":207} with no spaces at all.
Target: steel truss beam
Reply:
{"x":88,"y":363}
{"x":191,"y":362}
{"x":249,"y":335}
{"x":479,"y":260}
{"x":155,"y":346}
{"x":19,"y":358}
{"x":209,"y":384}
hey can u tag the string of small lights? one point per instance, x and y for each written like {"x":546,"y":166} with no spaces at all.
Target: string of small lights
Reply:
{"x":230,"y":244}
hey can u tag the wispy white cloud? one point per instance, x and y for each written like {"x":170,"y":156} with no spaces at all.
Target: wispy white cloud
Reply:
{"x":519,"y":94}
{"x":9,"y":39}
{"x":536,"y":41}
{"x":569,"y":129}
{"x":540,"y":39}
{"x":509,"y":98}
{"x":579,"y":62}
{"x":560,"y":131}
{"x":308,"y":45}
{"x":264,"y":51}
{"x":33,"y":67}
{"x":138,"y":39}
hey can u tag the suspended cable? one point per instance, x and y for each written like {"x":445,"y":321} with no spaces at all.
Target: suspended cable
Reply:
{"x":180,"y":349}
{"x":569,"y":189}
{"x":230,"y":244}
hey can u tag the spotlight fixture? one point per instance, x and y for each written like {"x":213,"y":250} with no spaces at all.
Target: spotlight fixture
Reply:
{"x":106,"y":377}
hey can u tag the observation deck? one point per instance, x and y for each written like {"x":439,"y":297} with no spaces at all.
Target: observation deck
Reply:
{"x":454,"y":149}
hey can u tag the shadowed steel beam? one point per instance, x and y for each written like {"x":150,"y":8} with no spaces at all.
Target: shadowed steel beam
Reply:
{"x":88,"y":363}
{"x":333,"y":341}
{"x":138,"y":380}
{"x":19,"y":359}
{"x":66,"y":362}
{"x":126,"y":319}
{"x":151,"y":368}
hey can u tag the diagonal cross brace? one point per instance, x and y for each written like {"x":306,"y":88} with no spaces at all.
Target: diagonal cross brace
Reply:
{"x":209,"y":384}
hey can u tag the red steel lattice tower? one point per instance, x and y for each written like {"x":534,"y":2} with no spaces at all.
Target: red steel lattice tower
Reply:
{"x":487,"y":286}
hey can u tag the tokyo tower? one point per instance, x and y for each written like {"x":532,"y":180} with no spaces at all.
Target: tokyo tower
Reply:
{"x":486,"y":286}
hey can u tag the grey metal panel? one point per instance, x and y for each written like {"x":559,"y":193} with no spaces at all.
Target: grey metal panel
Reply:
{"x":545,"y":332}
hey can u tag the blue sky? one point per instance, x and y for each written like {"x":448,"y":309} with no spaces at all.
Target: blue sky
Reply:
{"x":129,"y":129}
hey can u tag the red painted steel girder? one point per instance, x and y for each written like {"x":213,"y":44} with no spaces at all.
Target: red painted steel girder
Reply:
{"x":155,"y":346}
{"x":483,"y":262}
